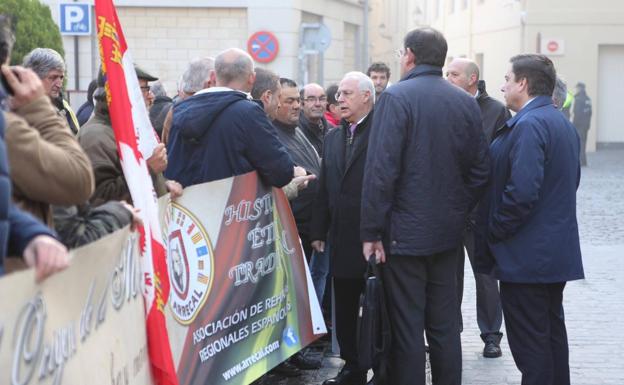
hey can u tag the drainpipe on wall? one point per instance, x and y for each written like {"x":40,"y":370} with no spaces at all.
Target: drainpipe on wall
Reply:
{"x":471,"y":54}
{"x":523,"y":15}
{"x":366,"y":53}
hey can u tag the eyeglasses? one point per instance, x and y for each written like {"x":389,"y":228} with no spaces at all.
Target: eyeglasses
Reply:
{"x":314,"y":99}
{"x":399,"y":53}
{"x":146,"y":89}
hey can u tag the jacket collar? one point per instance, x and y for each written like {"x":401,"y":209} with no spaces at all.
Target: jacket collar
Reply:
{"x":539,"y":101}
{"x":102,"y":115}
{"x":482,"y":91}
{"x":344,"y":124}
{"x":315,"y":128}
{"x":421,"y":70}
{"x":285,"y":127}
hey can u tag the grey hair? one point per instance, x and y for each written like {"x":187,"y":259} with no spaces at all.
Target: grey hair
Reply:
{"x":44,"y":60}
{"x":196,"y":75}
{"x":233,"y":65}
{"x":560,"y":93}
{"x":158,"y":89}
{"x":364,"y":82}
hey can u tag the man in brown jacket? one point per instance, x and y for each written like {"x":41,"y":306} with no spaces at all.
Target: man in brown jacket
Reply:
{"x":97,"y":138}
{"x":47,"y":164}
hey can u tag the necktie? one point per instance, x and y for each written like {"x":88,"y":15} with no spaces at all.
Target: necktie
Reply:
{"x":352,"y":130}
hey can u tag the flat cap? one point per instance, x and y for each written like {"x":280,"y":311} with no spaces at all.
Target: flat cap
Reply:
{"x":141,"y":74}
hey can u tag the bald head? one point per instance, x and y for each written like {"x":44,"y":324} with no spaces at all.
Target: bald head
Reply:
{"x":311,"y":87}
{"x":464,"y":73}
{"x":314,"y":102}
{"x":234,"y":69}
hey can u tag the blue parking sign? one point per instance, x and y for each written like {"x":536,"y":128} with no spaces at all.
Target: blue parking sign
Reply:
{"x":75,"y":19}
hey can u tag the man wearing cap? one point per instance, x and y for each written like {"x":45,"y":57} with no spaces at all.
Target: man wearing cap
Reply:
{"x":98,"y":140}
{"x":144,"y":79}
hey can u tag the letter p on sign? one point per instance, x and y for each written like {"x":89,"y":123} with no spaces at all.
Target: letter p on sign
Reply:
{"x":75,"y":19}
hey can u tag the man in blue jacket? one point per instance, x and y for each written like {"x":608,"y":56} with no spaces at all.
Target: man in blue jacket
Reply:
{"x":218,"y":132}
{"x":528,"y":220}
{"x":426,"y":168}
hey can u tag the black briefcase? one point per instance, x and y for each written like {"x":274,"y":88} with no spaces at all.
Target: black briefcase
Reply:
{"x":373,"y":327}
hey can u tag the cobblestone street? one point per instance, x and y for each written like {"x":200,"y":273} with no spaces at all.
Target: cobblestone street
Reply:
{"x":594,"y":306}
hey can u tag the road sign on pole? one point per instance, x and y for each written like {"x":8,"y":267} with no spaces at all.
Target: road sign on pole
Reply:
{"x":263,"y":46}
{"x":75,"y":19}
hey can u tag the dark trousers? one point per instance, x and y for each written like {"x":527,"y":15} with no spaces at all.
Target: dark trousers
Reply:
{"x":489,"y":310}
{"x":583,"y":153}
{"x":307,"y":247}
{"x":347,"y":296}
{"x":422,"y":295}
{"x":536,"y":331}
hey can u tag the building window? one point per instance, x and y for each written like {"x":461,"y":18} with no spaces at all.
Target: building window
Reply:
{"x":452,"y":6}
{"x":351,"y":59}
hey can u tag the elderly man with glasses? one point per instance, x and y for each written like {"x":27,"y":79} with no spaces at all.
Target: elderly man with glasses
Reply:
{"x":312,"y":120}
{"x":336,"y":218}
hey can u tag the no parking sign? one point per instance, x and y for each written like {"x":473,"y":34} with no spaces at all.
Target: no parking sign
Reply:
{"x":263,"y":46}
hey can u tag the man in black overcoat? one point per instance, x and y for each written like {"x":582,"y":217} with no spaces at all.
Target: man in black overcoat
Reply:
{"x":337,"y":214}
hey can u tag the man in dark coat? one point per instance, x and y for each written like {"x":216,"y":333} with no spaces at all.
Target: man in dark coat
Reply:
{"x":426,"y":168}
{"x":159,"y":110}
{"x":303,"y":154}
{"x":528,"y":233}
{"x":464,"y":73}
{"x":312,"y":120}
{"x":337,"y":214}
{"x":218,"y":132}
{"x":582,"y":117}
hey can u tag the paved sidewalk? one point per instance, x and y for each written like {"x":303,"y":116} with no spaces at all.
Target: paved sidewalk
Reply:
{"x":594,"y":306}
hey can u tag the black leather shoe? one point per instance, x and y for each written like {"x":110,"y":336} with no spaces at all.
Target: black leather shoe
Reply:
{"x":492,"y":346}
{"x":304,"y":363}
{"x":286,"y":369}
{"x":347,"y":377}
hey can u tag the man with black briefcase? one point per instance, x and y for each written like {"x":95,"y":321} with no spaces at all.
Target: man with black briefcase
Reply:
{"x":336,"y":215}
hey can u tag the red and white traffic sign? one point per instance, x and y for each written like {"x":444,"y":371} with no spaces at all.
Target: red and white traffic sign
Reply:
{"x":263,"y":46}
{"x":552,"y":47}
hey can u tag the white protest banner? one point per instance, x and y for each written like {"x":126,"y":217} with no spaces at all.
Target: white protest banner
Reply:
{"x":85,"y":325}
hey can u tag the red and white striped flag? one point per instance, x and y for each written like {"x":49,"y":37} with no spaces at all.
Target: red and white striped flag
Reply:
{"x":136,"y":140}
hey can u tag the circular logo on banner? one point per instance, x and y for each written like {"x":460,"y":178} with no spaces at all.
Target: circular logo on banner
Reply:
{"x":190,"y":260}
{"x":263,"y":46}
